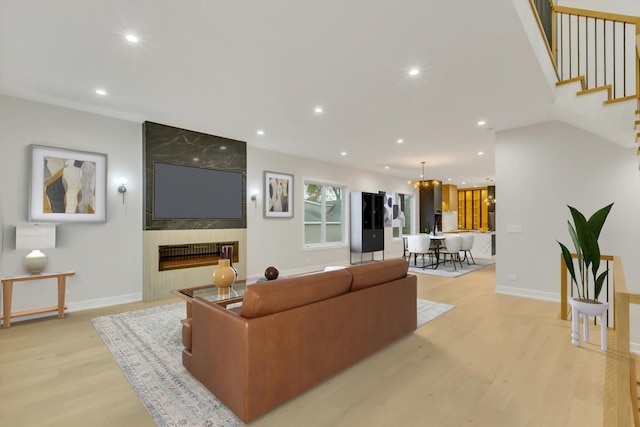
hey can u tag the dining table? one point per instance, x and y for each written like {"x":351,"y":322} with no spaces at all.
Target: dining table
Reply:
{"x":437,"y":240}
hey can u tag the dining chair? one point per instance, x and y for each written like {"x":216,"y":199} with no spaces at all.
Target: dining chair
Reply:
{"x":467,"y":244}
{"x":453,"y":246}
{"x":419,"y":245}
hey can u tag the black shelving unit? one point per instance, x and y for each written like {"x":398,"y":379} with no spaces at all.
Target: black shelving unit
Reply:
{"x":367,"y":225}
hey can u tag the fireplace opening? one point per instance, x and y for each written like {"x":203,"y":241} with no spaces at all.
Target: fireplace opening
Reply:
{"x":188,"y":255}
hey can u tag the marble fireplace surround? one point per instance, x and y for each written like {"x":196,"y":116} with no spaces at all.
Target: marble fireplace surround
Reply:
{"x":167,"y":144}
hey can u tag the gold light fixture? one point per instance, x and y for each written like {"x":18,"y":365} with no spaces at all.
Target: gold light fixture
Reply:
{"x":489,"y":200}
{"x":423,"y":183}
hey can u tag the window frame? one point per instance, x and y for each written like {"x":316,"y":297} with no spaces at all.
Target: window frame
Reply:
{"x":345,"y":215}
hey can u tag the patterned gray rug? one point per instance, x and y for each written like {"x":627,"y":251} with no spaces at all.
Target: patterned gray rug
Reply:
{"x":447,"y":270}
{"x":147,"y":344}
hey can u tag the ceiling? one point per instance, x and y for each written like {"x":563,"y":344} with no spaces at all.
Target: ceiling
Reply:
{"x":231,"y":68}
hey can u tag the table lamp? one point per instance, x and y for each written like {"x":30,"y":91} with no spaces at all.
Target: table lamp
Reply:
{"x":35,"y":237}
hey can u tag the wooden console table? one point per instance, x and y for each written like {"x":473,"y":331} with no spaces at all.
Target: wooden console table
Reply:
{"x":7,"y":291}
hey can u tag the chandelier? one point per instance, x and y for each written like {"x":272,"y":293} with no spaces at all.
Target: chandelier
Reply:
{"x":423,"y":183}
{"x":489,"y":200}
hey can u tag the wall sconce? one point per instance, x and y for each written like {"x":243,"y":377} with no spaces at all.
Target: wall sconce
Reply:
{"x":123,"y":187}
{"x":34,"y":238}
{"x":254,"y":197}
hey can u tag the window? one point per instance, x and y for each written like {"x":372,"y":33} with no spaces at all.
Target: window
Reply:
{"x":323,"y":214}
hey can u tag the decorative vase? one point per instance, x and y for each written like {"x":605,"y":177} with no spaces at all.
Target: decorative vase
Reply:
{"x":227,"y":253}
{"x":588,"y":308}
{"x":224,"y":276}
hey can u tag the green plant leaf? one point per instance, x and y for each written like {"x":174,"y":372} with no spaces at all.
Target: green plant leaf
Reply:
{"x":568,"y":262}
{"x":598,"y":284}
{"x":576,"y":244}
{"x":597,"y":220}
{"x":581,"y":228}
{"x":585,"y":236}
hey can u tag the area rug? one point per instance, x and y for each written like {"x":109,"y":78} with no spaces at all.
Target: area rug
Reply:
{"x":447,"y":270}
{"x":147,"y":344}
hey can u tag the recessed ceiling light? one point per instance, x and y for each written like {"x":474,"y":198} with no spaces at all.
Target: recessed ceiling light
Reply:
{"x":386,"y":167}
{"x":344,"y":153}
{"x":448,"y":179}
{"x":260,"y":132}
{"x":481,"y":123}
{"x":195,"y":159}
{"x":414,"y":72}
{"x":131,"y":38}
{"x":223,"y":147}
{"x":101,"y":92}
{"x":480,"y":153}
{"x":463,"y":183}
{"x":318,"y":110}
{"x":400,"y":141}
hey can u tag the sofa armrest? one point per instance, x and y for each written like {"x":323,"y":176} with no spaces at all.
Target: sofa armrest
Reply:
{"x":219,"y":350}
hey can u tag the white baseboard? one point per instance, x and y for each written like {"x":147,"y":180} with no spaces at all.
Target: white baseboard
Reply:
{"x":635,"y":348}
{"x":104,"y":302}
{"x":527,"y":293}
{"x":85,"y":305}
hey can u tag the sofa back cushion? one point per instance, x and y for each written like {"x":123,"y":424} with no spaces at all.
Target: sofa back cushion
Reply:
{"x":279,"y":295}
{"x":375,"y":273}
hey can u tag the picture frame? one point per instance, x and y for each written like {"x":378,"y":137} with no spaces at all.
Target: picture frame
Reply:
{"x":67,"y":185}
{"x":278,"y":195}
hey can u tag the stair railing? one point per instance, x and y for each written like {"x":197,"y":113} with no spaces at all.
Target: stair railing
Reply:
{"x":620,"y":380}
{"x":600,"y":47}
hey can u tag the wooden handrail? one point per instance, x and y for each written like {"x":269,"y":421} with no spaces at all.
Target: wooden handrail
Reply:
{"x":600,"y":15}
{"x":621,"y":396}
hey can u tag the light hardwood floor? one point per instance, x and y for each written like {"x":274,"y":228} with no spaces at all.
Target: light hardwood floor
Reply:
{"x":494,"y":360}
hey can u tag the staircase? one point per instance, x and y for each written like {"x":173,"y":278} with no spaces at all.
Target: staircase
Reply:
{"x":596,"y":56}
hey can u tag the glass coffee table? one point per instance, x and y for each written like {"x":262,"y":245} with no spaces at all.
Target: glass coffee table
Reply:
{"x":211,"y":292}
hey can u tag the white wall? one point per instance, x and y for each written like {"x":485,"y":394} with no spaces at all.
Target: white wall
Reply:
{"x":540,"y":170}
{"x":279,"y":241}
{"x":107,"y":257}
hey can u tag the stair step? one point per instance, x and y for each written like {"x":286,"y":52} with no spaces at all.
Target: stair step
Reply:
{"x":597,"y":89}
{"x":574,"y":79}
{"x":625,"y":98}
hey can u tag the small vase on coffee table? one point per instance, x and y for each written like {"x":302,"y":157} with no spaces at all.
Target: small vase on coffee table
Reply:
{"x":224,"y":276}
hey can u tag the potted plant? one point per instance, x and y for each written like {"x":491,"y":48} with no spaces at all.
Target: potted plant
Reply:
{"x":587,"y":280}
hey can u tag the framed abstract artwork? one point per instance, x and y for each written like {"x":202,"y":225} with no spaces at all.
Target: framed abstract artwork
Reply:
{"x":278,"y":195}
{"x":67,"y":185}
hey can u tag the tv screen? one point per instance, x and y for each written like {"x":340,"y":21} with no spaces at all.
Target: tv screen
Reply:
{"x":185,"y":192}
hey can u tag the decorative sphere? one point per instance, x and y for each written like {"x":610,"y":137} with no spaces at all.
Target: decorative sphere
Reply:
{"x":271,"y":273}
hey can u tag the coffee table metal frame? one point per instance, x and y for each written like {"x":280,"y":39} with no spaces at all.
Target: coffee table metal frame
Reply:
{"x":212,"y":293}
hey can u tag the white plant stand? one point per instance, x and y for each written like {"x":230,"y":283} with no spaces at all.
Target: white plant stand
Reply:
{"x":587,"y":309}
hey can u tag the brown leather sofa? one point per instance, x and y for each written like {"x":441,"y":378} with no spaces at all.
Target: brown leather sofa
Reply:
{"x":293,"y":333}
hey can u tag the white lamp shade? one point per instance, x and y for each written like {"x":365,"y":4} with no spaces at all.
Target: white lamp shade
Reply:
{"x":36,"y":237}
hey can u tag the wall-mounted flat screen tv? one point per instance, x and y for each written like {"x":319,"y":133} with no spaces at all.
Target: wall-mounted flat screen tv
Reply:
{"x":185,"y":192}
